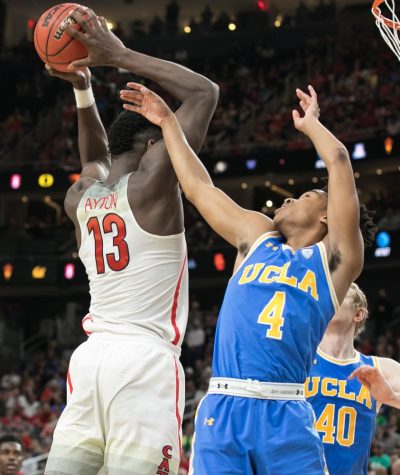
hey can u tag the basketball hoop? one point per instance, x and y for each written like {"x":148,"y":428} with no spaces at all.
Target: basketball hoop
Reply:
{"x":388,"y":27}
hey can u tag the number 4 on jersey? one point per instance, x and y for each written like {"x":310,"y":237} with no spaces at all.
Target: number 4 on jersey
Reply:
{"x":110,"y":223}
{"x":272,"y":315}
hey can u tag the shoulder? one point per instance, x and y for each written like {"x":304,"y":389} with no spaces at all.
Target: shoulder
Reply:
{"x":75,"y":193}
{"x":388,"y":366}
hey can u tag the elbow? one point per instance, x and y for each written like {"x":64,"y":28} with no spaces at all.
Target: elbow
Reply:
{"x":341,"y":154}
{"x":210,"y":93}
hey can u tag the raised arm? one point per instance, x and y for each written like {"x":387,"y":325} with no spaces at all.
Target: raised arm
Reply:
{"x":92,"y":138}
{"x":197,"y":94}
{"x":238,"y":226}
{"x":344,"y":240}
{"x":383,"y":383}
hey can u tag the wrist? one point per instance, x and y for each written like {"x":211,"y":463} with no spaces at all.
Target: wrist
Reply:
{"x":121,"y":57}
{"x":168,"y":119}
{"x":84,"y":97}
{"x":82,"y":85}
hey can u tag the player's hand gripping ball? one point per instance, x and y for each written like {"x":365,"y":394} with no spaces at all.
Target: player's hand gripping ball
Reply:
{"x":52,"y":43}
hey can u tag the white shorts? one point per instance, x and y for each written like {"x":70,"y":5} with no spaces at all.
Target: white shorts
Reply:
{"x":124,"y":409}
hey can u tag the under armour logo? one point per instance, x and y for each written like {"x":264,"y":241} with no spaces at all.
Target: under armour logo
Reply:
{"x":220,"y":386}
{"x":209,"y":422}
{"x":299,"y":392}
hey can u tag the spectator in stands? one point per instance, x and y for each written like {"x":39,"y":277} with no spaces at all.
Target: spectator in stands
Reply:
{"x":379,"y":461}
{"x":172,"y":17}
{"x":11,"y":455}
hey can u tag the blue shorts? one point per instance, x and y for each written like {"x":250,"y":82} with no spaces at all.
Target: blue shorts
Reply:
{"x":246,"y":436}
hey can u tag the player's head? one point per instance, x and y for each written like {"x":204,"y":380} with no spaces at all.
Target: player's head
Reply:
{"x":307,"y":212}
{"x":11,"y":455}
{"x":132,"y":133}
{"x":310,"y":212}
{"x":353,"y":313}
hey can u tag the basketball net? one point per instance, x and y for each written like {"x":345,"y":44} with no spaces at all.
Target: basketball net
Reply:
{"x":388,"y":26}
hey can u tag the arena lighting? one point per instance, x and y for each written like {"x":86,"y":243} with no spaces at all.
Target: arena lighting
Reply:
{"x":15,"y":181}
{"x":382,"y":241}
{"x":73,"y":177}
{"x":261,"y":5}
{"x":69,"y":271}
{"x":219,"y":262}
{"x":220,"y":167}
{"x":359,"y":152}
{"x":231,"y":26}
{"x":319,"y":163}
{"x":8,"y":270}
{"x":31,"y":23}
{"x":291,"y":181}
{"x":278,"y":21}
{"x":39,"y":272}
{"x":269,"y":203}
{"x":110,"y":25}
{"x":379,"y":171}
{"x":356,"y":175}
{"x":192,"y":264}
{"x":314,"y":179}
{"x":244,"y":186}
{"x":187,"y":29}
{"x":388,"y":145}
{"x":46,"y":180}
{"x":251,"y":164}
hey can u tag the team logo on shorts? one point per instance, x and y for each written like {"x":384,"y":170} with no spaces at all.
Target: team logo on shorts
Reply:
{"x":163,"y":468}
{"x":307,"y":253}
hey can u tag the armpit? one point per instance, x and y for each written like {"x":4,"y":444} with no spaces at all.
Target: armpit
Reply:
{"x":243,"y":249}
{"x":335,"y":259}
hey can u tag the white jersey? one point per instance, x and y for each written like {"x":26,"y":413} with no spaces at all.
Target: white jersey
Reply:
{"x":138,"y":281}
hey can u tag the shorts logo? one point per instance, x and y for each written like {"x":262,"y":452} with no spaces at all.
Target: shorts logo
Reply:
{"x":163,"y":468}
{"x":307,"y":253}
{"x":209,"y":422}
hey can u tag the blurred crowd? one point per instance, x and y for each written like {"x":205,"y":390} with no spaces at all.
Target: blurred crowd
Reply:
{"x":357,"y":82}
{"x":32,"y":391}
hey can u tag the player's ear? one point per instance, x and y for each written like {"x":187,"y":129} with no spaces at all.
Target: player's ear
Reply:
{"x":150,"y":143}
{"x":360,"y":315}
{"x":324,"y":218}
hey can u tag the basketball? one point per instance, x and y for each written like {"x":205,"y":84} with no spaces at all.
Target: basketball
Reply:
{"x":54,"y":45}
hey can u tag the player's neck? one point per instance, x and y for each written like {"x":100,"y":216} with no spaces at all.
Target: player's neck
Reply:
{"x":299,"y":238}
{"x":122,"y":165}
{"x":338,"y":344}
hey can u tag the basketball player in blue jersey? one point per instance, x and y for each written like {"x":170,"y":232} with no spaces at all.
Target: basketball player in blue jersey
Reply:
{"x":125,"y":384}
{"x":344,"y":406}
{"x":290,"y":277}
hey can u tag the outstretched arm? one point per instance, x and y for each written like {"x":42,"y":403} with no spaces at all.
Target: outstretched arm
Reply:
{"x":92,"y":138}
{"x":238,"y":226}
{"x":383,"y":383}
{"x":344,"y":241}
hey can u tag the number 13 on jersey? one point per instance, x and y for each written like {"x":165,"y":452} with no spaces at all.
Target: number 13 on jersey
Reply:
{"x":112,"y":223}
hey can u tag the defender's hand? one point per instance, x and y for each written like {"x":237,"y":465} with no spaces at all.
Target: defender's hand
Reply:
{"x":103,"y":46}
{"x":80,"y":79}
{"x":374,"y":380}
{"x":145,"y":102}
{"x":309,"y":105}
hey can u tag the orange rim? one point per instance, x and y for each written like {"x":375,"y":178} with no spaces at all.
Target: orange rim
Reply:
{"x":378,"y":15}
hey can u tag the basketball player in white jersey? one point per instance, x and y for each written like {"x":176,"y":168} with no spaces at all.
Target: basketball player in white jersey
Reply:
{"x":125,"y":383}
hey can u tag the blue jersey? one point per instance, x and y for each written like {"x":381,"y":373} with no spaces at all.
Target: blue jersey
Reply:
{"x":345,"y":412}
{"x":276,"y":308}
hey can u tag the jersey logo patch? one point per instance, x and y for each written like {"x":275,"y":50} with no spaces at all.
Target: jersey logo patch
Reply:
{"x":209,"y":422}
{"x":307,"y":253}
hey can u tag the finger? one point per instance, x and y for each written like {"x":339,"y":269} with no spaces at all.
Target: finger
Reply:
{"x":313,"y":93}
{"x":130,"y":95}
{"x":74,"y":33}
{"x":91,"y":18}
{"x":302,"y":95}
{"x":79,"y":64}
{"x":103,"y":22}
{"x":137,"y":87}
{"x":296,"y":115}
{"x":132,"y":108}
{"x":304,"y":106}
{"x":79,"y":18}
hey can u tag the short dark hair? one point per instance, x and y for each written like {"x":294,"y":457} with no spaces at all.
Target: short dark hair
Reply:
{"x":131,"y":131}
{"x":367,"y":225}
{"x":10,"y":438}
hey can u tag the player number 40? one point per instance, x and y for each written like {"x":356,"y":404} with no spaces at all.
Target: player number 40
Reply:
{"x":344,"y":430}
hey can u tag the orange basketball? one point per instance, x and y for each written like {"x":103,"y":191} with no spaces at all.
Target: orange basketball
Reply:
{"x":54,"y":45}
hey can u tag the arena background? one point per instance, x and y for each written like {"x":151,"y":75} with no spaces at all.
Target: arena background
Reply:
{"x":258,"y":52}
